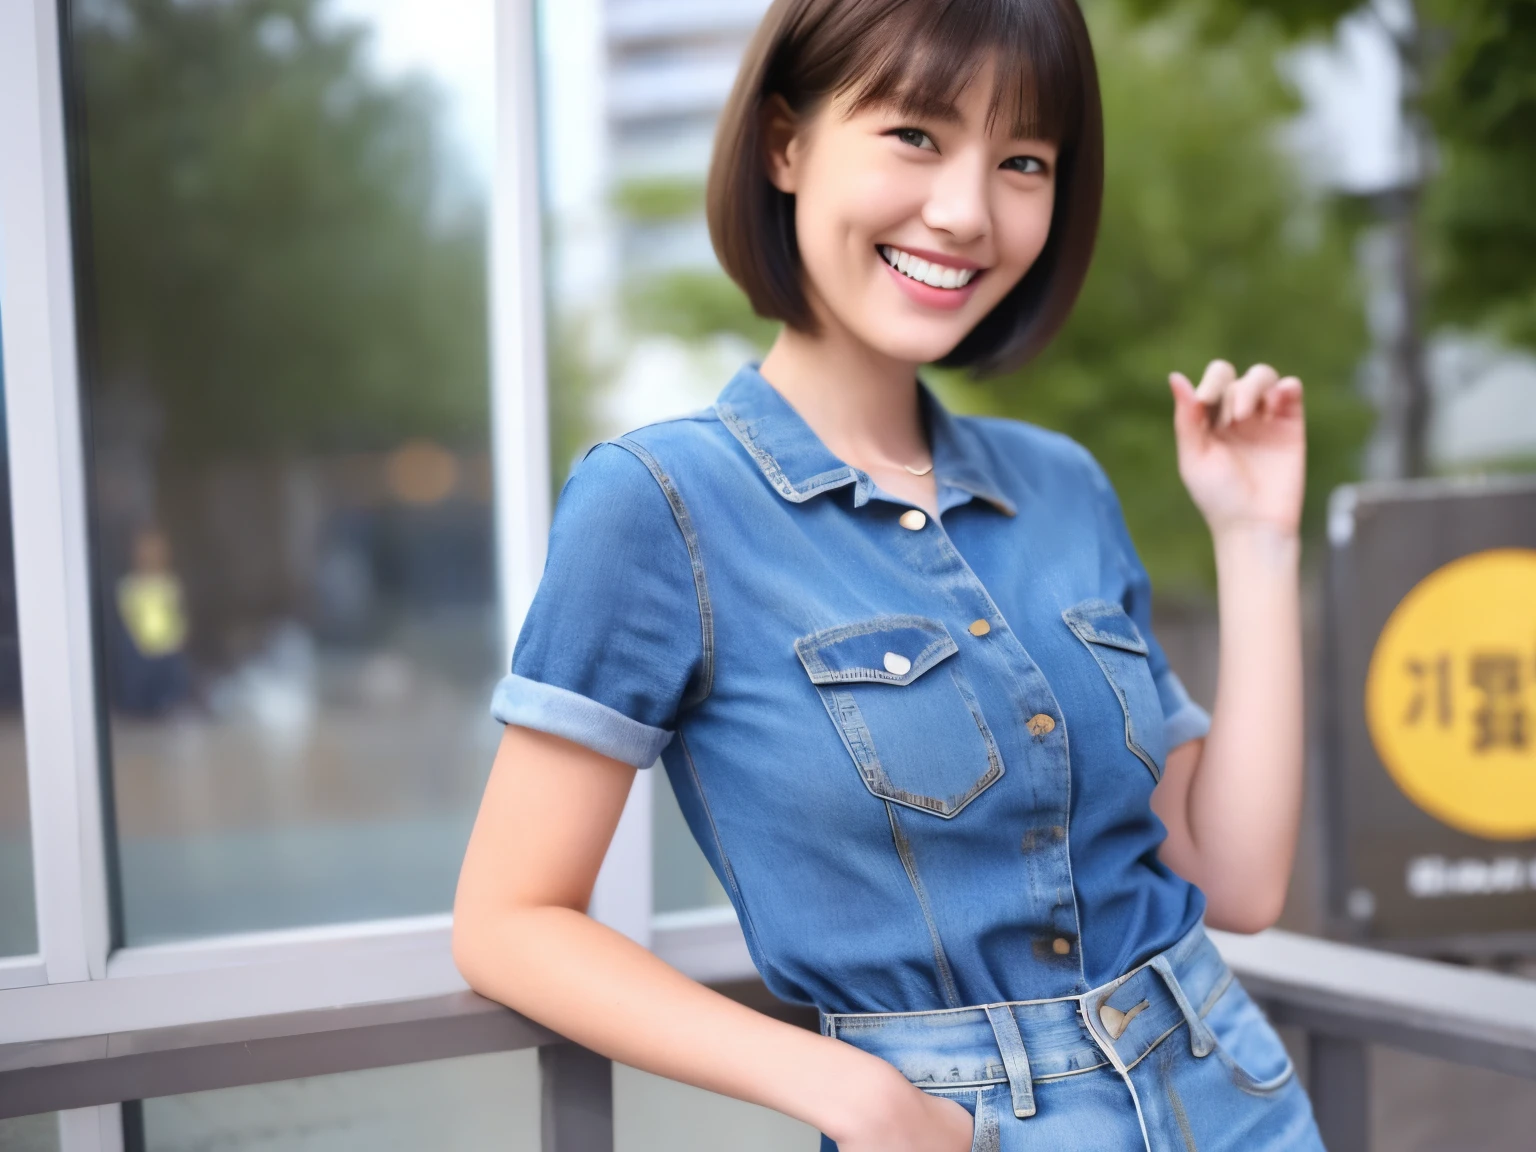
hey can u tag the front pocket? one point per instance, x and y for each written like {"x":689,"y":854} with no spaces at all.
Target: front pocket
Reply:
{"x":1247,"y":1043}
{"x":904,"y":710}
{"x":981,"y":1104}
{"x":1111,"y":636}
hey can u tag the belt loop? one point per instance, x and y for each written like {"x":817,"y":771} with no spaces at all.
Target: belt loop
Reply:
{"x":1201,"y":1039}
{"x":1015,"y":1060}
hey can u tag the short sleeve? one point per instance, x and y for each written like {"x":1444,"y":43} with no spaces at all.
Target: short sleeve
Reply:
{"x":1183,"y":719}
{"x":613,"y":640}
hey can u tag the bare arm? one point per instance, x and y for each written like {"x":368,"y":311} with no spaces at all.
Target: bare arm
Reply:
{"x":1232,"y":802}
{"x":521,"y":936}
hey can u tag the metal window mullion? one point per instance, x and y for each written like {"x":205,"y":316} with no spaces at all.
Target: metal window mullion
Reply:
{"x":520,"y":418}
{"x":48,"y":500}
{"x":519,"y":403}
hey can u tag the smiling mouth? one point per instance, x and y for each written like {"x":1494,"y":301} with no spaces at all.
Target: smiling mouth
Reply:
{"x":926,"y":271}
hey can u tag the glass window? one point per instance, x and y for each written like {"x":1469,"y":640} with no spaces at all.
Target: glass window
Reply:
{"x":18,"y":919}
{"x":469,"y":1104}
{"x":652,"y":1114}
{"x":281,"y":215}
{"x":39,"y":1133}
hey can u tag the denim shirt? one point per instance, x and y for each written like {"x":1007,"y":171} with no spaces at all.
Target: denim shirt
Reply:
{"x":918,"y":752}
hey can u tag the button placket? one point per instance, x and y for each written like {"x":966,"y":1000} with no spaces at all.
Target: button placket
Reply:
{"x":1052,"y":867}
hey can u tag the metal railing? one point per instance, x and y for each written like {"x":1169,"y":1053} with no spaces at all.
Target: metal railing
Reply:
{"x":1345,"y":998}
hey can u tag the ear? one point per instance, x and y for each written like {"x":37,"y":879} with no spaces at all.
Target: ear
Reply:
{"x":780,"y":130}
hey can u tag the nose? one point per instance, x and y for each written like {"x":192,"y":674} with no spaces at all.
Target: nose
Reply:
{"x":957,"y":199}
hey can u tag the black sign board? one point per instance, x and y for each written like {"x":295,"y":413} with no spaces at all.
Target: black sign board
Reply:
{"x":1429,"y":798}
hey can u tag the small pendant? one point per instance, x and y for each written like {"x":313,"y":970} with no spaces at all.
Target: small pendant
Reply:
{"x":919,"y":471}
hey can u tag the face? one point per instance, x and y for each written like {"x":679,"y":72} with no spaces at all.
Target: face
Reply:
{"x":911,"y":231}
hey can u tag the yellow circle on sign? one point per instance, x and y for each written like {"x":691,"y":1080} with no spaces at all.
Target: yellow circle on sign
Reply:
{"x":1450,"y":696}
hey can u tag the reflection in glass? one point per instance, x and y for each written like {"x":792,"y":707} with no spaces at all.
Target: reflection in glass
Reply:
{"x":282,"y":215}
{"x":18,"y":919}
{"x":39,"y":1133}
{"x":469,"y":1104}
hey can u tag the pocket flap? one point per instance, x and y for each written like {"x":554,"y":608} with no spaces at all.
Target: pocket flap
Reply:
{"x":1104,"y":622}
{"x":885,"y":650}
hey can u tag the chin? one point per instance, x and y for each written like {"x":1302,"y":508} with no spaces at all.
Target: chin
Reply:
{"x":914,"y":347}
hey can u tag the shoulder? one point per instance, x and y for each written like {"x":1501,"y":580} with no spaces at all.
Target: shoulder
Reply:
{"x":629,"y":482}
{"x":1037,"y":458}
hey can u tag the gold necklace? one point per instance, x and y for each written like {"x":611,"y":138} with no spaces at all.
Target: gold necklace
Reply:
{"x":919,"y":471}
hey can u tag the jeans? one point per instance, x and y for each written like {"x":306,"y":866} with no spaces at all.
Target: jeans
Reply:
{"x":1173,"y":1056}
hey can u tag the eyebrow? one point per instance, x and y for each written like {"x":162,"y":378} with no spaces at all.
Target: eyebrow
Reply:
{"x":924,"y":106}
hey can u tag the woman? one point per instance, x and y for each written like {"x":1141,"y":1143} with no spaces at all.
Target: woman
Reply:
{"x":899,"y":664}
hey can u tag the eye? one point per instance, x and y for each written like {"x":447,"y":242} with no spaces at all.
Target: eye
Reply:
{"x":915,"y":137}
{"x":1029,"y":165}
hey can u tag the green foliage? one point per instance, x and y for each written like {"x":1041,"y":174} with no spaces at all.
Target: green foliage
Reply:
{"x":1481,"y":207}
{"x":1222,"y":18}
{"x":658,"y":199}
{"x":275,"y":255}
{"x":692,"y":305}
{"x":1478,"y":65}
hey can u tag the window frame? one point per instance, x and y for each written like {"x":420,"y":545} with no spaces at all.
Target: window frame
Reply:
{"x":77,"y":984}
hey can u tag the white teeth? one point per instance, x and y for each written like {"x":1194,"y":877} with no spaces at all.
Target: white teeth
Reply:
{"x":934,"y":275}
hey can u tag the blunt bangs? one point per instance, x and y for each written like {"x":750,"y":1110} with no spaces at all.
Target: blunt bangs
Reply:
{"x":917,"y":56}
{"x":929,"y":53}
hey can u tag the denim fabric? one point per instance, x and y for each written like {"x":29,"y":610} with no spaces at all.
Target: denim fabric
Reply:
{"x":1182,"y":1060}
{"x":918,"y":758}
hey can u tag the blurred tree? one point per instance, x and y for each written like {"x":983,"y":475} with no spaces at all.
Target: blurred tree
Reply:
{"x":1481,"y":206}
{"x":1468,"y":102}
{"x":277,"y":250}
{"x":1210,"y":247}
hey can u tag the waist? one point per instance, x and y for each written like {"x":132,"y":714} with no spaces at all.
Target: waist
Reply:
{"x":1113,"y":1025}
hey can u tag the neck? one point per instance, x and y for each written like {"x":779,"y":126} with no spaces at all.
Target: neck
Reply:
{"x":862,"y":405}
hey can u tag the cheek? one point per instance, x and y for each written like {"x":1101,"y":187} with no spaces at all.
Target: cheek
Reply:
{"x":1024,"y":232}
{"x":856,"y":196}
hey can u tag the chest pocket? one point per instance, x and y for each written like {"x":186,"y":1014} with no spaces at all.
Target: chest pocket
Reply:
{"x":1111,"y":636}
{"x":904,"y":710}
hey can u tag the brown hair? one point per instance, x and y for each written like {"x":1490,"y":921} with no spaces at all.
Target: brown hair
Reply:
{"x":919,"y":55}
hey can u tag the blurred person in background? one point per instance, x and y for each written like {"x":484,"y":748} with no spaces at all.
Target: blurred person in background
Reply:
{"x":859,"y":632}
{"x":152,"y":673}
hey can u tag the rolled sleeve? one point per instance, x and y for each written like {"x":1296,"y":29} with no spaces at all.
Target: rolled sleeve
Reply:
{"x":561,"y":712}
{"x":612,"y":642}
{"x":1183,"y":719}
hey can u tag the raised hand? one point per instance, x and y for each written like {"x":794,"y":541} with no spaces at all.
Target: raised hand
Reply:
{"x":1242,"y":446}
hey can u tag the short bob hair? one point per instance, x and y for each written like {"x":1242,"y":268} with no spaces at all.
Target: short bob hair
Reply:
{"x":918,"y":55}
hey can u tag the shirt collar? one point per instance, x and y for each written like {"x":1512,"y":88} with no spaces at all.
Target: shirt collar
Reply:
{"x":800,"y":466}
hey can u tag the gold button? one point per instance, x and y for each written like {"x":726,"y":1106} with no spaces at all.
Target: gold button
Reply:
{"x":913,"y":519}
{"x":979,"y":628}
{"x":1061,"y":945}
{"x":1040,"y":724}
{"x":897,"y":664}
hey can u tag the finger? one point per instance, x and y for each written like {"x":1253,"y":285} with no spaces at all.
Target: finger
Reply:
{"x":1284,"y":399}
{"x":1214,"y":387}
{"x":1218,"y":375}
{"x":1190,"y":417}
{"x":1249,"y":391}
